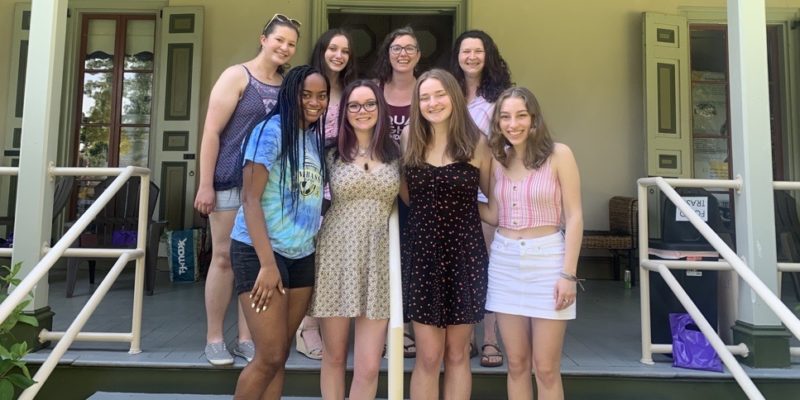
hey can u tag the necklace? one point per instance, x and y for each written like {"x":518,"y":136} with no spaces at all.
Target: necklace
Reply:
{"x":362,"y":152}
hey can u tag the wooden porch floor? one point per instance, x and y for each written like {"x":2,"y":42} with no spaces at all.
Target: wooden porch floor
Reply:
{"x":603,"y":341}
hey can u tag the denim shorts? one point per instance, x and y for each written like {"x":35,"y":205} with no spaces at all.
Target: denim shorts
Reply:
{"x":295,"y":273}
{"x":228,"y":200}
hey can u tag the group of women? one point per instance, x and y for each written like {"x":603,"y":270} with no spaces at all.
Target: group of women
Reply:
{"x":456,"y":147}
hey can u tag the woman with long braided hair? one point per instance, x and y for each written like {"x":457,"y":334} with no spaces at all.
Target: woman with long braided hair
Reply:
{"x":272,"y":246}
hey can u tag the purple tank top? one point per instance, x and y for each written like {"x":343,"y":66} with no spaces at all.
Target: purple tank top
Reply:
{"x":256,"y":102}
{"x":398,"y":120}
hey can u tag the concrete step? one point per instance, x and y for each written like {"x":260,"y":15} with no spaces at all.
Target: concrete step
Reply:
{"x":170,"y":396}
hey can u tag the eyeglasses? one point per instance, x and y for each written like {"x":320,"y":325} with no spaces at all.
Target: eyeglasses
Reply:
{"x":282,"y":18}
{"x":410,"y":49}
{"x":369,"y":106}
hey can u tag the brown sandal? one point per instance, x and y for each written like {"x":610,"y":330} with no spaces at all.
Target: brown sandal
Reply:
{"x":409,"y":346}
{"x":486,"y":357}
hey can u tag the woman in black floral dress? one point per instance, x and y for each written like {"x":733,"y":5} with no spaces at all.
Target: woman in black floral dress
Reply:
{"x":444,"y":279}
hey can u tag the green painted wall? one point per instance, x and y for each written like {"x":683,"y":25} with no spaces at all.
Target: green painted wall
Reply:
{"x":582,"y":59}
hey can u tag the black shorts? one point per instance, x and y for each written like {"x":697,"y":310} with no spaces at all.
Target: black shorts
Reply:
{"x":295,"y":273}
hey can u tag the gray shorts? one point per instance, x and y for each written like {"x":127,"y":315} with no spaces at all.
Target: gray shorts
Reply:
{"x":228,"y":200}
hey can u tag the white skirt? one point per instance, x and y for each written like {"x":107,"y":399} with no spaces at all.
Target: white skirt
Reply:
{"x":523,"y":275}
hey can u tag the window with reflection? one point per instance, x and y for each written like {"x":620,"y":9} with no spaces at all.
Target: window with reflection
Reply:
{"x":116,"y":88}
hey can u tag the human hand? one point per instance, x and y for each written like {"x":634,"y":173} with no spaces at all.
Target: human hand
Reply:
{"x":267,"y":283}
{"x":205,"y":200}
{"x":564,"y":293}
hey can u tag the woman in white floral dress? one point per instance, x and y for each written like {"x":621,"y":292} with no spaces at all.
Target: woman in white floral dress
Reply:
{"x":352,"y":260}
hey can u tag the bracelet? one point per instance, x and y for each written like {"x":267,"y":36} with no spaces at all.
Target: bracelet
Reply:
{"x":572,"y":278}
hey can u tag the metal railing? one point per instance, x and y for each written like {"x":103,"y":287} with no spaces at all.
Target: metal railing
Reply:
{"x":395,"y":346}
{"x":61,"y":248}
{"x":7,"y":171}
{"x":732,"y":262}
{"x":788,"y":266}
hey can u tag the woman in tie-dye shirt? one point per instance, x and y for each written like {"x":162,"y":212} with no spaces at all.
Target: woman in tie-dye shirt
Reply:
{"x":272,"y":246}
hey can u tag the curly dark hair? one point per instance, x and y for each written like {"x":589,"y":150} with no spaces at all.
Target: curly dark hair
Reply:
{"x":382,"y":70}
{"x":348,"y":74}
{"x":495,"y":76}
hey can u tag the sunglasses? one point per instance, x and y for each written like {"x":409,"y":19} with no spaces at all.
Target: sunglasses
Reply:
{"x":282,"y":18}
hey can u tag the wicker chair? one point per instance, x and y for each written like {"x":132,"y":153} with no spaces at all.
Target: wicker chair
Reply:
{"x":621,"y":236}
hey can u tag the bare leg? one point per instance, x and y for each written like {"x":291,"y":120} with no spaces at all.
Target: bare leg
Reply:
{"x":269,"y":331}
{"x":370,"y":338}
{"x":430,"y":353}
{"x":490,"y":320}
{"x":334,"y":358}
{"x":457,"y":373}
{"x":219,"y":282}
{"x":548,"y":340}
{"x":516,"y":334}
{"x":298,"y":305}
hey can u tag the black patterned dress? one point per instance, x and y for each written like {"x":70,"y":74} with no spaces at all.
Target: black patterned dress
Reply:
{"x":445,"y":269}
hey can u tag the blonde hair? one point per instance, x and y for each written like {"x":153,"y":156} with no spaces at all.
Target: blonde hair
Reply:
{"x":462,"y":133}
{"x":538,"y":144}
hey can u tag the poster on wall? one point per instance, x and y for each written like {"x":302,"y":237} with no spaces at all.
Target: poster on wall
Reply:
{"x":710,"y":158}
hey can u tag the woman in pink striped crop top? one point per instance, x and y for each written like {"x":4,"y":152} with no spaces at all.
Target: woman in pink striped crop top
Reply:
{"x":535,"y":192}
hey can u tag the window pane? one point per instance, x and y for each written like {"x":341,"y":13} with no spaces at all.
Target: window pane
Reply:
{"x":93,"y":146}
{"x":136,"y":97}
{"x":100,"y":44}
{"x":97,"y":98}
{"x":139,"y":44}
{"x":134,"y":144}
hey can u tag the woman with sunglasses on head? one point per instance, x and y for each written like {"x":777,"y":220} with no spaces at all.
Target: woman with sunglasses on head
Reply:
{"x":352,"y":277}
{"x":535,"y":191}
{"x":395,"y":72}
{"x":272,"y":242}
{"x":332,"y":55}
{"x":242,"y":97}
{"x":446,"y":159}
{"x":482,"y":74}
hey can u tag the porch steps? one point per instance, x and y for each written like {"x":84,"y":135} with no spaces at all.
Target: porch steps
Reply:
{"x":169,"y":396}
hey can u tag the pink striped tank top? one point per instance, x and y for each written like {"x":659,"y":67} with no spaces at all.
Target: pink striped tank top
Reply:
{"x":530,"y":202}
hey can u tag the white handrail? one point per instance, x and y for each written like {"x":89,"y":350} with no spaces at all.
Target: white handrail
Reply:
{"x":80,"y":320}
{"x":61,"y":248}
{"x":395,"y":347}
{"x":725,"y":355}
{"x":43,"y":267}
{"x":11,"y":171}
{"x":770,"y":299}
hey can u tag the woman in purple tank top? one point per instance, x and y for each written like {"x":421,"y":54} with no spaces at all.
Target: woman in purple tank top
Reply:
{"x":240,"y":99}
{"x":331,"y":55}
{"x":396,"y":73}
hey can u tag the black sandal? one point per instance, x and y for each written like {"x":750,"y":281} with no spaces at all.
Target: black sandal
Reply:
{"x":409,"y":349}
{"x":486,"y":358}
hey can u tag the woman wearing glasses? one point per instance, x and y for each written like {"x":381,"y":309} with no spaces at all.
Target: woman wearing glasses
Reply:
{"x":272,"y":241}
{"x":395,"y":71}
{"x":331,"y":55}
{"x":446,"y":159}
{"x":242,"y":97}
{"x":482,"y":74}
{"x":352,"y":276}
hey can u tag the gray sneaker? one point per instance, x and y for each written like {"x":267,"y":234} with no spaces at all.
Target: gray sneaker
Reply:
{"x":217,"y":354}
{"x":245,"y":350}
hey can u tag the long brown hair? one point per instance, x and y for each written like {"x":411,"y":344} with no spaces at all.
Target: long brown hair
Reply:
{"x":382,"y":70}
{"x":462,"y":134}
{"x":538,"y":145}
{"x":384,"y":148}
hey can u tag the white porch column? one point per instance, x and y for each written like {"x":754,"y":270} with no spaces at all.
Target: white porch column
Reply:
{"x":40,"y":137}
{"x":757,"y":325}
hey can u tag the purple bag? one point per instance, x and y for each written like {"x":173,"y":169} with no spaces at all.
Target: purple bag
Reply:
{"x":123,"y":238}
{"x":690,"y":348}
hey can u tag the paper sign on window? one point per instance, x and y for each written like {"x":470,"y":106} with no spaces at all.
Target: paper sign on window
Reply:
{"x":698,"y":204}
